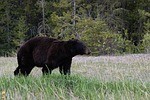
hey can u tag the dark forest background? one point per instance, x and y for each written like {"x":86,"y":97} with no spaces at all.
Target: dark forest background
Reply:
{"x":106,"y":26}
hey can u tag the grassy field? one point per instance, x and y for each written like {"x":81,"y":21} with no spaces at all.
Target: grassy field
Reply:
{"x":93,"y":78}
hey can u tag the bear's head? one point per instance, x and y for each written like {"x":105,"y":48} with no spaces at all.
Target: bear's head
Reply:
{"x":77,"y":47}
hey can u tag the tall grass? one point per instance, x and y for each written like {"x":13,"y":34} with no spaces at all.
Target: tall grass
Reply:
{"x":92,"y":78}
{"x":57,"y":87}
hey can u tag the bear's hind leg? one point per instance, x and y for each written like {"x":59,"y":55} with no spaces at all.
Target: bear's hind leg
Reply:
{"x":26,"y":71}
{"x":17,"y":71}
{"x":22,"y":70}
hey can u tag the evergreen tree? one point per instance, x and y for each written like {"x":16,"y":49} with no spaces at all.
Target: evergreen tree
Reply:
{"x":106,"y":21}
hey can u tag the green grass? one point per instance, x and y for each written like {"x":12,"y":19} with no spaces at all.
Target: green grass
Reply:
{"x":57,"y":87}
{"x":92,"y":78}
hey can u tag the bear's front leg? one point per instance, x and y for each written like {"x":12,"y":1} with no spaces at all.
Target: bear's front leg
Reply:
{"x":65,"y":67}
{"x":65,"y":70}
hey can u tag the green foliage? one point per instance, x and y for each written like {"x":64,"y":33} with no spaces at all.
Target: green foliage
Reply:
{"x":62,"y":23}
{"x":146,"y":43}
{"x":6,"y":28}
{"x":13,"y":26}
{"x":105,"y":43}
{"x":146,"y":39}
{"x":107,"y":26}
{"x":20,"y":31}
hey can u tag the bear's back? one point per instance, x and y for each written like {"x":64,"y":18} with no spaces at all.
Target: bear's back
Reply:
{"x":36,"y":49}
{"x":37,"y":42}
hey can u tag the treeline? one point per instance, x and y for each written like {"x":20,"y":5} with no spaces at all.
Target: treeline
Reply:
{"x":107,"y":26}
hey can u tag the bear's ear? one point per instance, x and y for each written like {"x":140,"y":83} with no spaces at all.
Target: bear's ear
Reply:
{"x":73,"y":39}
{"x":71,"y":42}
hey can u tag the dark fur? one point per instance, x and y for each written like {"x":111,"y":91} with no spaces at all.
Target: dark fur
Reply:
{"x":49,"y":54}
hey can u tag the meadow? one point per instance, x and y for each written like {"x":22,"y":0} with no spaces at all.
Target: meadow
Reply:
{"x":124,"y":77}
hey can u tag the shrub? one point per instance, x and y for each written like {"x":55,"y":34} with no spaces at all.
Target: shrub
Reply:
{"x":146,"y":39}
{"x":146,"y":43}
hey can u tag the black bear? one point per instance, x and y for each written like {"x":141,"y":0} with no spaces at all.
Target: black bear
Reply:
{"x":48,"y":53}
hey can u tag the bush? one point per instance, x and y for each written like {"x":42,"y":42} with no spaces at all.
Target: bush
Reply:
{"x":108,"y":44}
{"x":146,"y":39}
{"x":95,"y":33}
{"x":146,"y":43}
{"x":101,"y":40}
